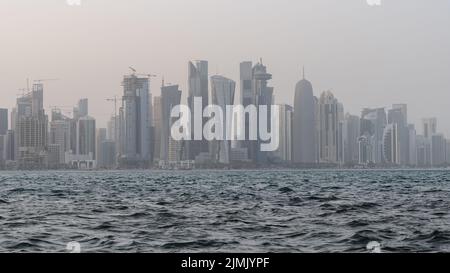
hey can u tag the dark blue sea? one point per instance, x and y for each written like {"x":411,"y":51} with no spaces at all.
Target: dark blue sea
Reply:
{"x":225,"y":211}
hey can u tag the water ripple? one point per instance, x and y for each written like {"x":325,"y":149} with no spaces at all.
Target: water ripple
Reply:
{"x":225,"y":211}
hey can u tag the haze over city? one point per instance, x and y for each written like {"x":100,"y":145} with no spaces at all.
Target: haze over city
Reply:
{"x":245,"y":127}
{"x":365,"y":55}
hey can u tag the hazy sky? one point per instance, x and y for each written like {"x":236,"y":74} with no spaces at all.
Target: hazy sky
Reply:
{"x":368,"y":56}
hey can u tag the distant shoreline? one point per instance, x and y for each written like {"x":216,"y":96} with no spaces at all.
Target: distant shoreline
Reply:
{"x":230,"y":170}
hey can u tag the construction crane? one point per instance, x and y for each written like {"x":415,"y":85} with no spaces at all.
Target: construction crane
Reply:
{"x":141,"y":74}
{"x":60,"y":107}
{"x":27,"y":91}
{"x":23,"y":92}
{"x":114,"y":100}
{"x":147,"y":75}
{"x":40,"y":81}
{"x":45,"y":80}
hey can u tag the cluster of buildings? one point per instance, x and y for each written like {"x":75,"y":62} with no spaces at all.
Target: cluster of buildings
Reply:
{"x":314,"y":132}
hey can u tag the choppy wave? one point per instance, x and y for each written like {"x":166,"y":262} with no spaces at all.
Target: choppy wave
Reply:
{"x":225,"y":211}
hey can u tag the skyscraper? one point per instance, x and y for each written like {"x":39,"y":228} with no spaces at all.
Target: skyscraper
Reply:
{"x":284,"y":152}
{"x":365,"y":150}
{"x":10,"y":145}
{"x":113,"y":133}
{"x":447,"y":152}
{"x":373,"y":122}
{"x":352,"y":132}
{"x":421,"y":147}
{"x":222,"y":91}
{"x":391,"y":148}
{"x":429,"y":126}
{"x":13,"y":118}
{"x":37,"y":99}
{"x":170,"y":149}
{"x":31,"y":130}
{"x":397,"y":115}
{"x":100,"y":138}
{"x":412,"y":145}
{"x":438,"y":150}
{"x":246,"y":77}
{"x":86,"y":131}
{"x":73,"y":136}
{"x":403,"y":108}
{"x":82,"y":108}
{"x":112,"y":128}
{"x":157,"y":123}
{"x":2,"y":151}
{"x":135,"y":126}
{"x":60,"y":132}
{"x":54,"y":156}
{"x":304,"y":124}
{"x":3,"y":137}
{"x":108,"y":154}
{"x":198,"y":88}
{"x":246,"y":98}
{"x":331,"y":115}
{"x":3,"y":121}
{"x":263,"y":95}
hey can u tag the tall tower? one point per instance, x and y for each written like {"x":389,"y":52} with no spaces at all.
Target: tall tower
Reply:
{"x":246,"y":99}
{"x":37,"y":99}
{"x":438,"y":150}
{"x":246,"y":77}
{"x":351,"y":135}
{"x":263,"y":95}
{"x":86,"y":140}
{"x":3,"y":121}
{"x":330,"y":129}
{"x":447,"y":152}
{"x":157,"y":123}
{"x":31,"y":130}
{"x":412,"y":135}
{"x":135,"y":123}
{"x":100,"y":138}
{"x":391,"y":148}
{"x":60,"y":132}
{"x":198,"y":88}
{"x":304,"y":124}
{"x":170,"y":149}
{"x":429,"y":126}
{"x":83,"y":108}
{"x":403,"y":108}
{"x":284,"y":152}
{"x":398,"y":115}
{"x":222,"y":90}
{"x":373,"y":122}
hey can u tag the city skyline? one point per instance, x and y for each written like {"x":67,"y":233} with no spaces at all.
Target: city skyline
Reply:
{"x":82,"y":104}
{"x":155,"y":86}
{"x":316,"y":131}
{"x":389,"y":61}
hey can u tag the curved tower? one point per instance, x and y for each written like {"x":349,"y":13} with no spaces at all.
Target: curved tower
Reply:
{"x":304,"y":142}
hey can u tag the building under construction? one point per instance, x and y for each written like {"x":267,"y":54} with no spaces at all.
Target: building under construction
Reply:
{"x":31,"y":130}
